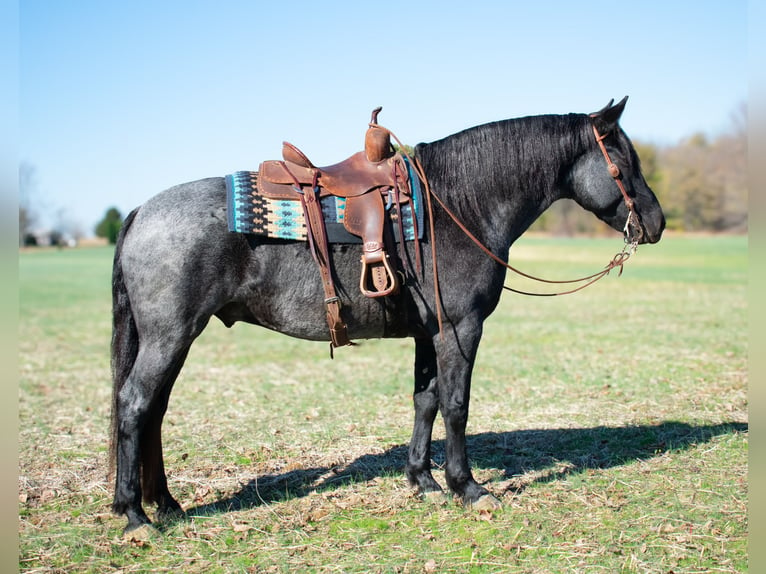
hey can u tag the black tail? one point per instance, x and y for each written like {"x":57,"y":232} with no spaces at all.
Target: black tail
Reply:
{"x":124,"y":336}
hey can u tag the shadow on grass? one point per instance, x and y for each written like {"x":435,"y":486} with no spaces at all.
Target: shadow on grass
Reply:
{"x":516,"y":453}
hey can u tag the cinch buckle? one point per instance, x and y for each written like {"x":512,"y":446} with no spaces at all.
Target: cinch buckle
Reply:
{"x":332,"y":300}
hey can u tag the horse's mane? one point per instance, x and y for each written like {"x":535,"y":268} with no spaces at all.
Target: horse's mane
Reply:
{"x":509,"y":155}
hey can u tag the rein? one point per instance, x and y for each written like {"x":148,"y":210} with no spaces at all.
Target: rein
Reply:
{"x":618,"y":260}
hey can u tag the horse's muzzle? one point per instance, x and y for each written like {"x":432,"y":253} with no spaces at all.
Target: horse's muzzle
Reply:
{"x":652,"y":233}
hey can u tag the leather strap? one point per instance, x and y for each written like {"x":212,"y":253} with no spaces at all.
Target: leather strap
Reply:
{"x":364,"y":217}
{"x":614,"y":171}
{"x":317,"y":235}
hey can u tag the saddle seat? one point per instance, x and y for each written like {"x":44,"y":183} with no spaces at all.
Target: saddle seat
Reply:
{"x":351,"y":177}
{"x":363,"y":180}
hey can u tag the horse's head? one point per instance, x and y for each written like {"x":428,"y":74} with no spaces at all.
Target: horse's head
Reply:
{"x":596,"y":185}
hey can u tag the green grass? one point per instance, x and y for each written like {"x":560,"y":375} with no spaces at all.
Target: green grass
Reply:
{"x":611,"y":423}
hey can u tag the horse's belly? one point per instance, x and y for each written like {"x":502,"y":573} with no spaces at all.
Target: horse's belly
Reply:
{"x":307,"y":320}
{"x":284,"y":293}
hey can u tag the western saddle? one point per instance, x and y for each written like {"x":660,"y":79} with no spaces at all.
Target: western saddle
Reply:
{"x":364,"y":179}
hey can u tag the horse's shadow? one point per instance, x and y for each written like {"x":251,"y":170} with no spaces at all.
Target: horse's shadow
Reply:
{"x":523,"y":457}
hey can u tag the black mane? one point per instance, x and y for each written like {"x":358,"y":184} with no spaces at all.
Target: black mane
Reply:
{"x":516,"y":153}
{"x":516,"y":162}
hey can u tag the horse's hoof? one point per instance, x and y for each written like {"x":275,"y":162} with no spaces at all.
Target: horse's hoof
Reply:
{"x":435,"y":497}
{"x":142,"y":534}
{"x":486,"y":502}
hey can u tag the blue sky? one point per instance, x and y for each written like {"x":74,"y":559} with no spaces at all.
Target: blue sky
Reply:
{"x":121,"y":100}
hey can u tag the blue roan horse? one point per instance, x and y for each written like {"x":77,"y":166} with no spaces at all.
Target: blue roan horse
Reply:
{"x":176,"y":265}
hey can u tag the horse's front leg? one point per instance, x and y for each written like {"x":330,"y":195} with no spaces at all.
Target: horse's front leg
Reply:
{"x":456,"y":358}
{"x":426,"y":401}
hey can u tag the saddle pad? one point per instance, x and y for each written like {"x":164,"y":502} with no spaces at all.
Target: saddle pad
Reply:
{"x":250,"y":212}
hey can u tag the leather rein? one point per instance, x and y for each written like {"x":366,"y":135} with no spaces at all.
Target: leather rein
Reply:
{"x":618,"y":260}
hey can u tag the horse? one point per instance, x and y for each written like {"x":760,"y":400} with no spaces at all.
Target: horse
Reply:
{"x":176,"y":265}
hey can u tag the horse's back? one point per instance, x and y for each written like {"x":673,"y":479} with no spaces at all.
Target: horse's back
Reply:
{"x":179,"y":210}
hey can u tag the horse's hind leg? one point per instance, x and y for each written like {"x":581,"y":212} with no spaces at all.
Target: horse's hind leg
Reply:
{"x":426,"y":400}
{"x":140,"y":405}
{"x":154,"y":482}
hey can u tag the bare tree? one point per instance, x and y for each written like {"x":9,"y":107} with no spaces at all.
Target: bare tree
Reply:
{"x":705,"y":183}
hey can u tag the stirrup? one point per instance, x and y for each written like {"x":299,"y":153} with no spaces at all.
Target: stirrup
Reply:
{"x":383,"y":278}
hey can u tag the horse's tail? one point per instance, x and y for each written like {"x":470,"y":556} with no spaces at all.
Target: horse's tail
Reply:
{"x":124,"y":336}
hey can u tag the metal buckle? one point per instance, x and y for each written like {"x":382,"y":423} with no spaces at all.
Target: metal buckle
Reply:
{"x":332,"y":300}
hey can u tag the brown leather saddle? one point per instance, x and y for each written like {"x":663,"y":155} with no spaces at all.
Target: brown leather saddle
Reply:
{"x":364,"y":180}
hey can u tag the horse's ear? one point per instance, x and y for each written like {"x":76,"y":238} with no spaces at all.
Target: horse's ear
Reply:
{"x":610,"y":114}
{"x":602,"y":110}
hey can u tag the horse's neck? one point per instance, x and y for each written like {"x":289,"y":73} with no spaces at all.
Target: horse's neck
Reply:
{"x":499,"y":178}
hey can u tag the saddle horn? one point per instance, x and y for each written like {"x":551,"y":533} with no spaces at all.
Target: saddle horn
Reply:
{"x":377,"y":141}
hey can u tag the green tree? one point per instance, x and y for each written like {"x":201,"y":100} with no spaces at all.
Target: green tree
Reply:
{"x":650,"y":165}
{"x":696,"y":203}
{"x":110,"y":226}
{"x":704,"y":183}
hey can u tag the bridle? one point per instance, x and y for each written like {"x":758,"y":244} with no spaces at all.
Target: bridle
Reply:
{"x":614,"y":171}
{"x":631,"y":241}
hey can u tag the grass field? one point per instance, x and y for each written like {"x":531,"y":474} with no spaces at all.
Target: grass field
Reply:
{"x":612,"y":424}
